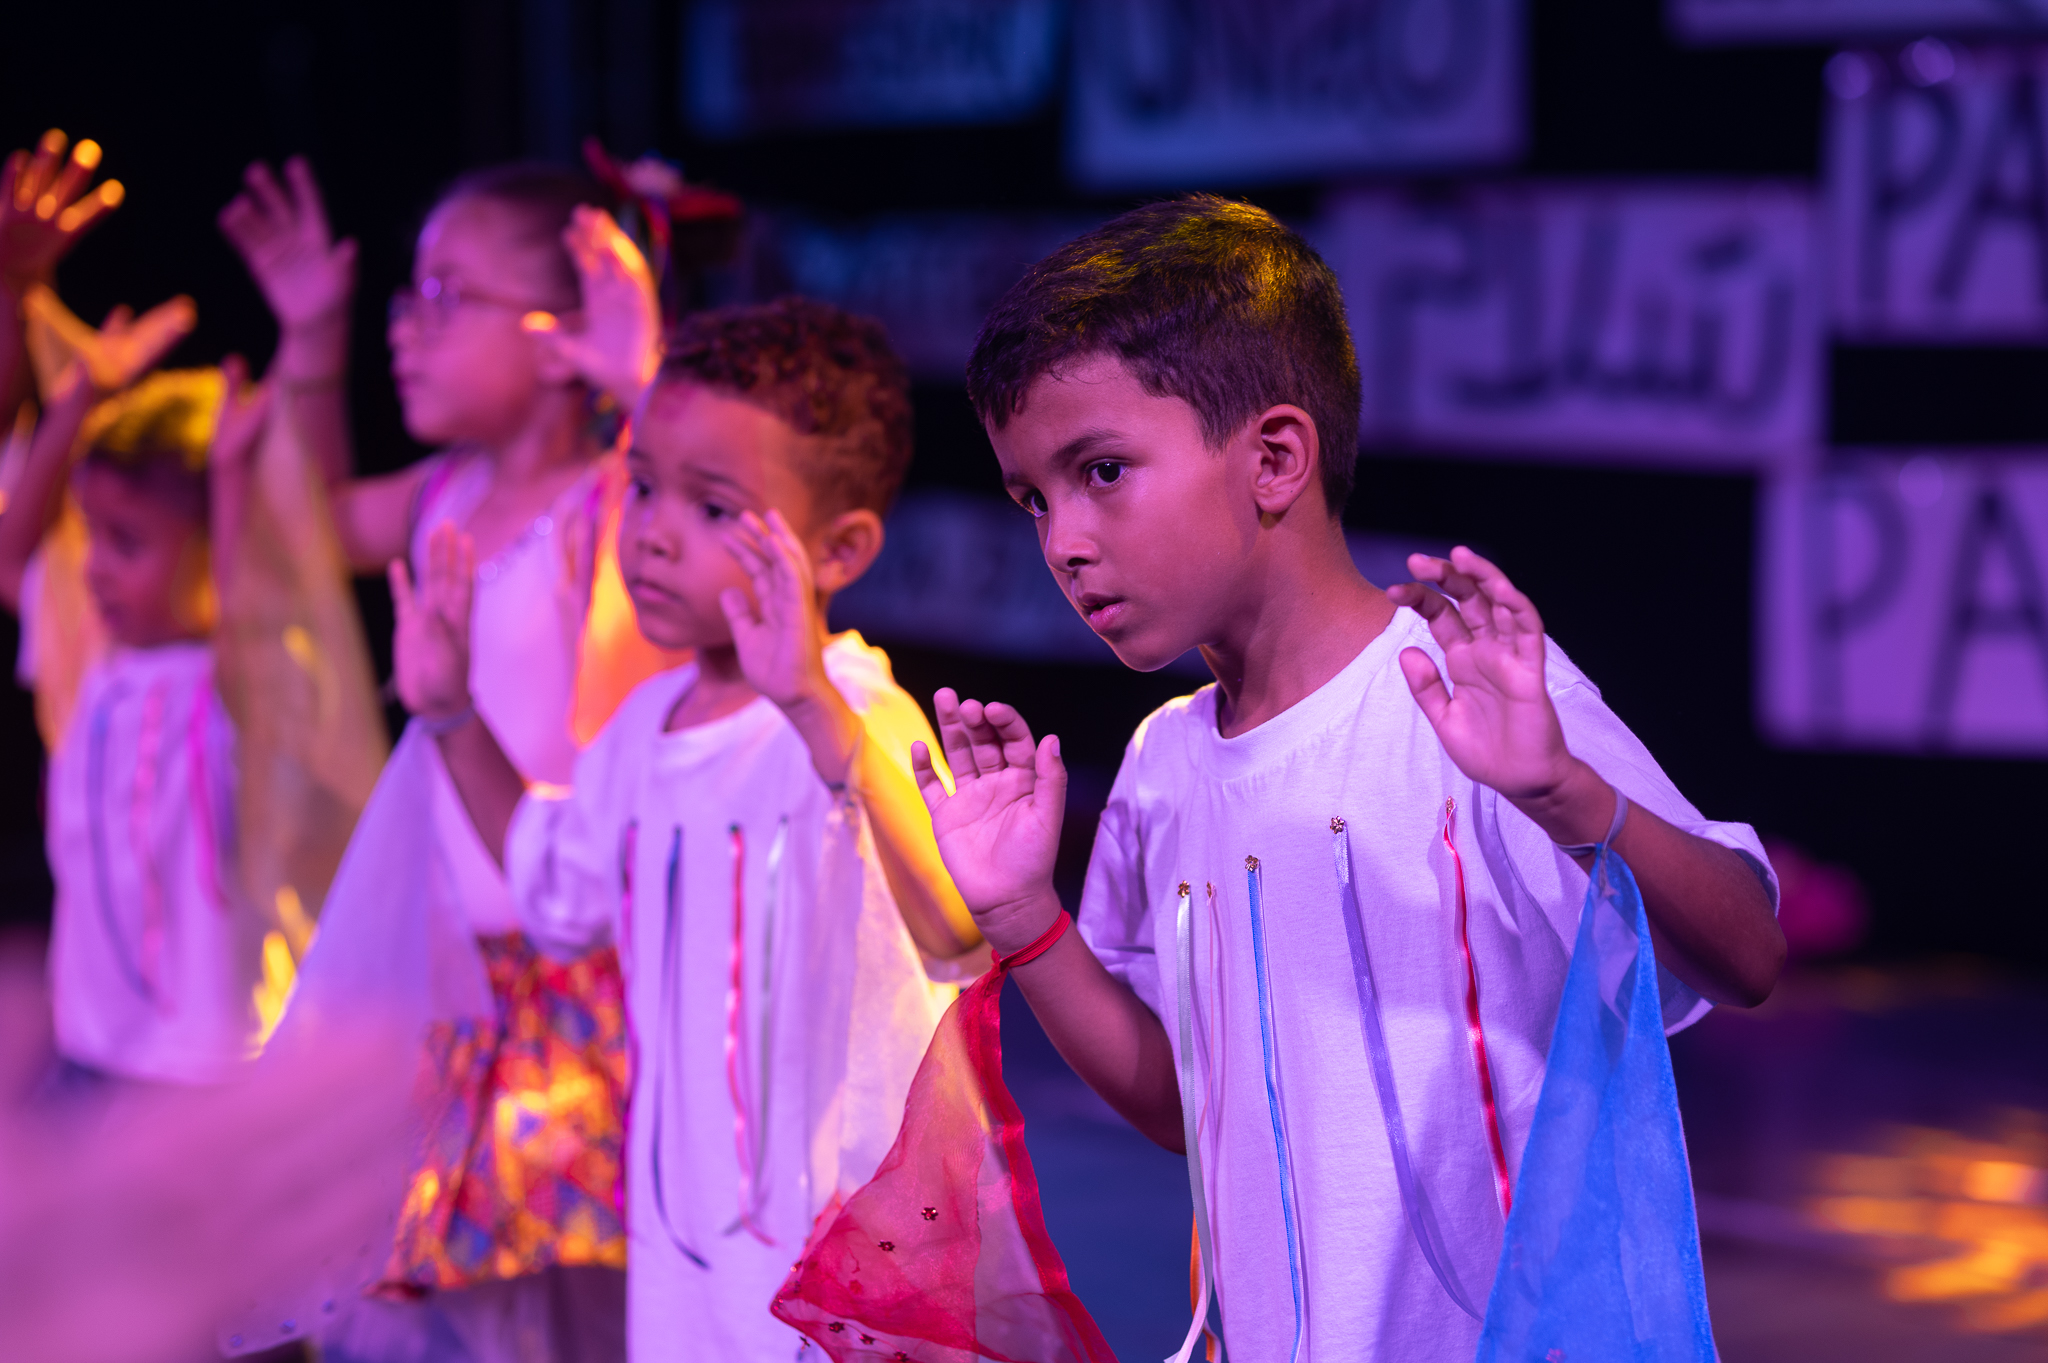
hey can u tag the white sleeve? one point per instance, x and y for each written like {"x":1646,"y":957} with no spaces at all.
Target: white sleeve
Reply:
{"x":1554,"y":881}
{"x":1114,"y":919}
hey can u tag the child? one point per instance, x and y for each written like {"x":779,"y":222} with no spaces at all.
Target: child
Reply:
{"x":485,"y":370}
{"x":1174,"y":397}
{"x":154,"y":955}
{"x":744,"y":828}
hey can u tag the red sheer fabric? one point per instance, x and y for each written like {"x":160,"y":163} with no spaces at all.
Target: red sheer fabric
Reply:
{"x":943,"y":1256}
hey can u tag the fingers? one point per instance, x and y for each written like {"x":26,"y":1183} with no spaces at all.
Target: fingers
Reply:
{"x":85,"y":159}
{"x":953,"y":738}
{"x":29,"y":185}
{"x":1512,"y":611}
{"x":94,"y":206}
{"x":1049,"y":793}
{"x":268,"y":198}
{"x":1426,"y":684}
{"x":400,"y":577}
{"x":158,"y":330}
{"x":312,"y":206}
{"x":1011,"y":732}
{"x":928,"y":783}
{"x":738,"y":611}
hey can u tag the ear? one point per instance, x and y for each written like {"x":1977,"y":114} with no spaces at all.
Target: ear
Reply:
{"x":845,"y":548}
{"x":1289,"y":460}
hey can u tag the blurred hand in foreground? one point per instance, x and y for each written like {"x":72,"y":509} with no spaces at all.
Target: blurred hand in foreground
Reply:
{"x":127,"y":1236}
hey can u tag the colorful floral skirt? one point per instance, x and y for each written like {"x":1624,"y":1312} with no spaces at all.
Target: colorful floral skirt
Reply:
{"x":524,"y":1141}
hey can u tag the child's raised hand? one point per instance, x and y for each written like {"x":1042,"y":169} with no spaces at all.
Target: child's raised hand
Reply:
{"x":281,"y":232}
{"x":999,"y":829}
{"x":43,"y":209}
{"x":779,"y":635}
{"x":614,"y":339}
{"x":244,"y":412}
{"x":430,"y":647}
{"x":125,"y":347}
{"x":1499,"y":725}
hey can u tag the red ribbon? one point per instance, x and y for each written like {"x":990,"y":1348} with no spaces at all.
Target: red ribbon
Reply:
{"x":1472,"y":1022}
{"x":1059,"y":927}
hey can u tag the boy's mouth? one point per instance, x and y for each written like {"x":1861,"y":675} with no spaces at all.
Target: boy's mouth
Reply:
{"x":1102,"y":612}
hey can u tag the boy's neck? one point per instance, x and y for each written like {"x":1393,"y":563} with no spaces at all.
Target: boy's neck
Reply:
{"x":721,"y":689}
{"x":1312,"y":614}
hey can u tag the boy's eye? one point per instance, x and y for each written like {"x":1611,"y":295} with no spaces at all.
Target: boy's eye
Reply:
{"x":716,"y":511}
{"x":639,"y":488}
{"x":1031,"y":501}
{"x":1104,"y":473}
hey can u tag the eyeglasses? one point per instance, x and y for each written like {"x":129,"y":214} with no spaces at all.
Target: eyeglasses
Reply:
{"x":430,"y":303}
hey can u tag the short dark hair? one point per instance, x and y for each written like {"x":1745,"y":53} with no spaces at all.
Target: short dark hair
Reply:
{"x":541,"y":197}
{"x":827,"y":372}
{"x":1206,"y":299}
{"x":156,"y":437}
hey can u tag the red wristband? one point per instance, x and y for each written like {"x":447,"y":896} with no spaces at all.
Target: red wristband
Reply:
{"x":1037,"y":948}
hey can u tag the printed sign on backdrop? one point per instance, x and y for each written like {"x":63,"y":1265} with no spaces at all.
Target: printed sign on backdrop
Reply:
{"x":1667,"y":324}
{"x":764,"y":65}
{"x":1805,"y":21}
{"x":1901,"y":603}
{"x":1937,"y":168}
{"x":1200,"y":93}
{"x":930,"y":278}
{"x":964,"y":572}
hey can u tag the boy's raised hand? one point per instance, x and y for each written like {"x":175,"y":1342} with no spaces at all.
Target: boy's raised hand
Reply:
{"x":999,"y":829}
{"x":779,"y":635}
{"x":281,"y":233}
{"x":614,"y":339}
{"x":430,"y":646}
{"x":1498,"y":725}
{"x":43,"y":209}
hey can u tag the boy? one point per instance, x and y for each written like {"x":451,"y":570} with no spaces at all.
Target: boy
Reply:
{"x":1174,"y":397}
{"x":746,"y":825}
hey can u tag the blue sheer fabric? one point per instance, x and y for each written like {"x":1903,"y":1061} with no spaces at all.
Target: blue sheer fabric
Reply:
{"x":1601,"y":1262}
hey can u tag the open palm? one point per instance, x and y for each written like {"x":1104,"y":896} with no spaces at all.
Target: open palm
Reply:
{"x":998,"y":830}
{"x":1495,"y":719}
{"x":282,"y":234}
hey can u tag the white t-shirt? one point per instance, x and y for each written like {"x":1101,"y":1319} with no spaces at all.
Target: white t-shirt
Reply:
{"x":838,"y":1006}
{"x":1190,"y":805}
{"x":153,"y":957}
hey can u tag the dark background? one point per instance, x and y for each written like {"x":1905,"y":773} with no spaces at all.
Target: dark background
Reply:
{"x":1645,"y":578}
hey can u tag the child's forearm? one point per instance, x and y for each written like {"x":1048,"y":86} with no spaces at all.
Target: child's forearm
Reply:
{"x":1106,"y":1033}
{"x":1710,"y":917}
{"x":39,"y":492}
{"x":311,"y":369}
{"x":490,"y":786}
{"x":842,"y":754}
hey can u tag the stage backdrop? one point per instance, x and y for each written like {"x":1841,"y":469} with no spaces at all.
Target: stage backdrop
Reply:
{"x":1203,"y":93}
{"x":1805,"y":21}
{"x":1937,"y":171}
{"x":1672,"y":324}
{"x":1900,"y":603}
{"x":798,"y":65}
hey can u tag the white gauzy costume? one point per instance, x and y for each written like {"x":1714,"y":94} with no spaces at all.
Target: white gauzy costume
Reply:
{"x":778,"y":1003}
{"x":153,"y":956}
{"x":526,"y":620}
{"x":1311,"y":1242}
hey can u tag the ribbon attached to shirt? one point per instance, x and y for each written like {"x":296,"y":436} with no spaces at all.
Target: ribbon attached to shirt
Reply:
{"x":1208,"y":1310}
{"x":1414,"y":1201}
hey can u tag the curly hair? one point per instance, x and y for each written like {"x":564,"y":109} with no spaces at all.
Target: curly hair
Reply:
{"x":157,"y":434}
{"x":829,"y":373}
{"x":1205,"y":299}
